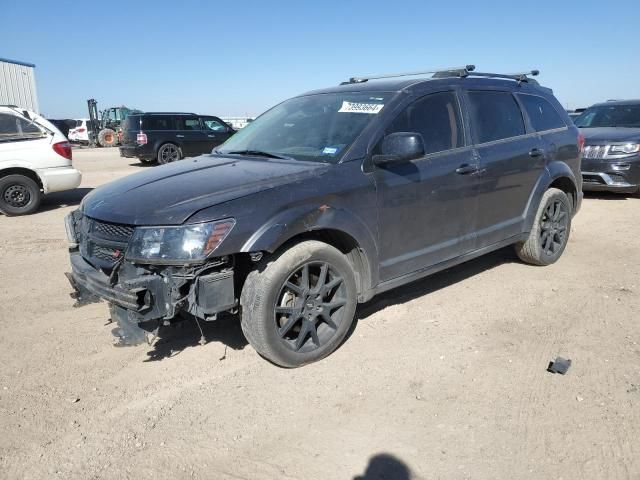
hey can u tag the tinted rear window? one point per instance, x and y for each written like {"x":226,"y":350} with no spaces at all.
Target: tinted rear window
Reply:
{"x":158,"y":122}
{"x":132,"y":122}
{"x":495,"y":116}
{"x":541,"y":113}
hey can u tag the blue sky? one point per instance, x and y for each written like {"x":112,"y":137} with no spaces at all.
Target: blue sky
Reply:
{"x":241,"y":57}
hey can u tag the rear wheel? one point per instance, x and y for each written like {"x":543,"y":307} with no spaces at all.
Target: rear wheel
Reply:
{"x":550,"y":232}
{"x":19,"y":195}
{"x":168,"y":153}
{"x":107,"y":138}
{"x":298,"y":307}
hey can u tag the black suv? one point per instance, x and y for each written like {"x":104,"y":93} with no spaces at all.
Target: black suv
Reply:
{"x":611,"y":156}
{"x":166,"y":137}
{"x":328,"y":199}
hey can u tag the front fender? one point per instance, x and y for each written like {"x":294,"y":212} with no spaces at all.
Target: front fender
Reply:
{"x":550,"y":174}
{"x":307,"y":218}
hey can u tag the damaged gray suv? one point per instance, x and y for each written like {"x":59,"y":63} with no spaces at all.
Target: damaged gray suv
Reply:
{"x":328,"y":199}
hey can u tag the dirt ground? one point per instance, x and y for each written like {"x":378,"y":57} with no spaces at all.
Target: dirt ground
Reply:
{"x":445,"y":378}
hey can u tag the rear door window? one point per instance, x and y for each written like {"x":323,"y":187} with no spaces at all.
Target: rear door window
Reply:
{"x":437,"y":118}
{"x":14,"y":127}
{"x":494,"y":116}
{"x":188,"y":123}
{"x":541,"y":113}
{"x":158,"y":122}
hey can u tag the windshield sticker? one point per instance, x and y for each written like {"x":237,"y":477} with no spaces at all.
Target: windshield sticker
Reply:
{"x":330,"y":150}
{"x":352,"y":107}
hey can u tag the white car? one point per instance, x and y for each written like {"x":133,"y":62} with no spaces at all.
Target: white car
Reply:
{"x":80,"y":133}
{"x":35,"y":159}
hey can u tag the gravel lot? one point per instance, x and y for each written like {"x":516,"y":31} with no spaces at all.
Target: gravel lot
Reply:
{"x":442,"y":379}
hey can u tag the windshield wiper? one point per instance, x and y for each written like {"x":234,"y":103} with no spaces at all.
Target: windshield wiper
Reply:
{"x":256,"y":153}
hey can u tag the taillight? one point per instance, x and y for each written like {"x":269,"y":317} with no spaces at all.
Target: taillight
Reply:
{"x":141,"y":138}
{"x":80,"y":130}
{"x":581,"y":142}
{"x":63,"y":149}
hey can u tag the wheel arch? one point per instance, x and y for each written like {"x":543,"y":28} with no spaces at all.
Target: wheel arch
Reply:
{"x":335,"y":227}
{"x":556,"y":175}
{"x":23,"y":171}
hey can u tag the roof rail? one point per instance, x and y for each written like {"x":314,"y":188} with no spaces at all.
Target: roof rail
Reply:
{"x":518,"y":77}
{"x":458,"y":71}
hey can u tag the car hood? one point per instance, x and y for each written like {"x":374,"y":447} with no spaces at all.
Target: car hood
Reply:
{"x":170,"y":194}
{"x":593,"y":136}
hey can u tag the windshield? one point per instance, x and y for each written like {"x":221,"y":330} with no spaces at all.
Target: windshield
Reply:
{"x":610,"y":116}
{"x":313,"y":128}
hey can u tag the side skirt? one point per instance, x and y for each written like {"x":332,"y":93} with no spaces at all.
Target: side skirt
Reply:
{"x":425,"y":272}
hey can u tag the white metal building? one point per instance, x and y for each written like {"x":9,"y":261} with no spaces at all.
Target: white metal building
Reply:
{"x":18,"y":84}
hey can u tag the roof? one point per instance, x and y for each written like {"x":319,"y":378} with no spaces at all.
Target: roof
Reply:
{"x":618,"y":102}
{"x":409,"y":85}
{"x":16,"y":62}
{"x":161,"y":113}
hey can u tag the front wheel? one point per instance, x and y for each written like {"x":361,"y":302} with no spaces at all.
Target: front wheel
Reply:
{"x":19,"y":195}
{"x":297,"y":307}
{"x":550,"y":231}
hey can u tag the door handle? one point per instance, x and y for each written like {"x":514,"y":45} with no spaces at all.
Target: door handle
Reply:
{"x":466,"y":169}
{"x":211,"y":136}
{"x":180,"y":136}
{"x":536,"y":152}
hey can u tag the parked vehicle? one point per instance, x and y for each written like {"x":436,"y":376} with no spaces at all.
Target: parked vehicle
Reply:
{"x":80,"y":132}
{"x":166,"y":137}
{"x":328,"y":199}
{"x":575,"y":113}
{"x":35,"y":159}
{"x":611,"y":157}
{"x":63,"y":125}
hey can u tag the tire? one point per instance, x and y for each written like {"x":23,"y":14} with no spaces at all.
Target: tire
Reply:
{"x":107,"y":138}
{"x":168,"y":153}
{"x":19,"y":195}
{"x":293,"y":322}
{"x":550,"y":231}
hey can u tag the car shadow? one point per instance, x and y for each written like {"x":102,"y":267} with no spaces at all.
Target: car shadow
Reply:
{"x":608,"y":196}
{"x":68,"y":198}
{"x":142,"y":164}
{"x":435,"y":282}
{"x":176,"y":338}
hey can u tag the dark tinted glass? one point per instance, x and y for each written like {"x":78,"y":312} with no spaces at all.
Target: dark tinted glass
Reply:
{"x":615,"y":115}
{"x":188,"y":123}
{"x":437,"y":118}
{"x":495,"y":115}
{"x":132,"y":122}
{"x":157,"y":122}
{"x":541,"y":113}
{"x":12,"y":126}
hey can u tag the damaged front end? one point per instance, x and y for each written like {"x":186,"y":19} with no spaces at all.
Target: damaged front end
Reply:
{"x":149,"y":275}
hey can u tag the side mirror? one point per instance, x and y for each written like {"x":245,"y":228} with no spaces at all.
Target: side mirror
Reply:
{"x":400,"y":147}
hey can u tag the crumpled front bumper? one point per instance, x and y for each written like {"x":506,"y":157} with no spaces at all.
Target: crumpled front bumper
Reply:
{"x":139,"y":303}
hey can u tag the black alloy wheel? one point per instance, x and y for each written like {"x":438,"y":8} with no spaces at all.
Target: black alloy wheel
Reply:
{"x":309,"y":307}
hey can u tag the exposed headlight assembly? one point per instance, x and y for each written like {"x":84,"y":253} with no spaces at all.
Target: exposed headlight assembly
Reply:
{"x":625,"y":149}
{"x":177,"y":245}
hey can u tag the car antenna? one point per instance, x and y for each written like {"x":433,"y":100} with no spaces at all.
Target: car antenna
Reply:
{"x":458,"y":71}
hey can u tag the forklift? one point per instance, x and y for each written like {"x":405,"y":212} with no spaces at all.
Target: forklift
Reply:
{"x":105,"y":128}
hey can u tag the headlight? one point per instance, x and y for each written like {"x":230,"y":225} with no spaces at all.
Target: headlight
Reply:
{"x":70,"y":228}
{"x":177,"y":245}
{"x":625,"y":149}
